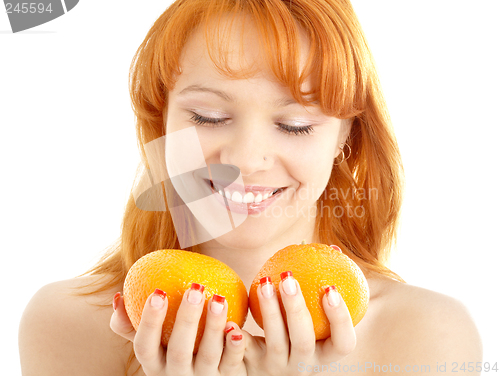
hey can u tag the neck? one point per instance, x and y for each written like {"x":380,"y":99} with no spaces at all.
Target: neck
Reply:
{"x":247,"y":262}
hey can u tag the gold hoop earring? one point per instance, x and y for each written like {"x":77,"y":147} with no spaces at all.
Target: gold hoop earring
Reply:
{"x":341,"y":147}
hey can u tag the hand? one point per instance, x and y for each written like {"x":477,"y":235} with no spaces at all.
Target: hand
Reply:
{"x":212,"y":359}
{"x":281,"y":351}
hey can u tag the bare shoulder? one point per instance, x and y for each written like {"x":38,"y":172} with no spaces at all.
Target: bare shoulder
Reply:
{"x":420,"y":326}
{"x":63,"y":333}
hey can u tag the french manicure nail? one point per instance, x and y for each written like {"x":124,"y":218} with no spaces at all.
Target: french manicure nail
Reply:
{"x":217,"y":304}
{"x":228,"y":329}
{"x":266,"y":287}
{"x":336,"y":247}
{"x":236,"y":339}
{"x":115,"y":300}
{"x":332,"y":295}
{"x":195,"y":293}
{"x":288,"y":282}
{"x":158,"y":298}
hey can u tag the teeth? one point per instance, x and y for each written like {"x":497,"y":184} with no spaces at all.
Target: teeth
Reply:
{"x":249,"y":197}
{"x":236,"y":197}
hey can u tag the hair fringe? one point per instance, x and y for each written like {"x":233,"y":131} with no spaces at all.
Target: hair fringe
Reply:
{"x":345,"y":84}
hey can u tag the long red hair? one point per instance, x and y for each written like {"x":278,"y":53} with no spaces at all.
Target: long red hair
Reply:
{"x":346,"y":86}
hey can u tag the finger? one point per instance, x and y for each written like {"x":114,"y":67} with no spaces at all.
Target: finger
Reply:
{"x":147,"y":342}
{"x":120,"y":322}
{"x":210,"y":351}
{"x":343,"y":337}
{"x":234,"y":350}
{"x":277,"y":342}
{"x":255,"y":346}
{"x":181,"y":343}
{"x":300,"y":325}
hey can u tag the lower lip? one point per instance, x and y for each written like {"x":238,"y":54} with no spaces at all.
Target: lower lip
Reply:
{"x":242,"y":208}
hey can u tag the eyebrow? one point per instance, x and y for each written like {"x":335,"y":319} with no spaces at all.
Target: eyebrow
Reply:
{"x":282,"y":102}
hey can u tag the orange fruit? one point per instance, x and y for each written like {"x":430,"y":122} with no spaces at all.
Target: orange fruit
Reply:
{"x":173,"y":271}
{"x":315,"y":266}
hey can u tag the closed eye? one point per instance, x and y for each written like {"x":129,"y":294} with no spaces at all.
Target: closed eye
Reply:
{"x":198,"y":119}
{"x":307,"y":129}
{"x":288,"y":129}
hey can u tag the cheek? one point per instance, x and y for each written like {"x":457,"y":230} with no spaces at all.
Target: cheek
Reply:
{"x":208,"y":139}
{"x":212,"y":142}
{"x":311,"y":169}
{"x":313,"y":162}
{"x":175,"y":120}
{"x":172,"y":124}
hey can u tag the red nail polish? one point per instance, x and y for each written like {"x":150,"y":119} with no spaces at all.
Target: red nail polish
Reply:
{"x":288,"y":283}
{"x":237,"y":337}
{"x":266,"y":287}
{"x":228,"y":329}
{"x":218,"y":299}
{"x":284,"y":275}
{"x":265,"y":280}
{"x":327,"y":289}
{"x":162,"y":293}
{"x":197,"y":287}
{"x":158,"y":299}
{"x":195,"y":293}
{"x":115,"y":300}
{"x":332,"y":296}
{"x":336,"y":247}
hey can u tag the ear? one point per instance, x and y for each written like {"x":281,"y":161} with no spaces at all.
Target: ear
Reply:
{"x":345,"y":131}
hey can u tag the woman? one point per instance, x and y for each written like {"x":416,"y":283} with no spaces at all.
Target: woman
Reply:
{"x":287,"y":92}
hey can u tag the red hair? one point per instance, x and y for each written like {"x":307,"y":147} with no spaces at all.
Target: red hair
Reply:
{"x":347,"y":87}
{"x":345,"y":84}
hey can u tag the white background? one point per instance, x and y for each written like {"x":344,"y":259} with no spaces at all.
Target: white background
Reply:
{"x":68,"y":151}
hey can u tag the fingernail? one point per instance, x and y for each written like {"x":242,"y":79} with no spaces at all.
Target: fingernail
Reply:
{"x":195,"y":294}
{"x":336,"y":247}
{"x":236,"y":339}
{"x":332,"y":295}
{"x":266,"y":287}
{"x":158,"y":298}
{"x":115,"y":300}
{"x":217,"y":304}
{"x":288,"y":281}
{"x":228,"y":329}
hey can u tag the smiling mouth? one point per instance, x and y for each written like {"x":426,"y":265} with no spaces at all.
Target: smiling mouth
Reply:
{"x":248,"y":198}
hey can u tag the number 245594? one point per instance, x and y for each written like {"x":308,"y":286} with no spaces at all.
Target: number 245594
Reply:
{"x":28,"y":8}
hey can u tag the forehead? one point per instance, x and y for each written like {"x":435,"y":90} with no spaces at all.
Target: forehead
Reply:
{"x":236,"y":45}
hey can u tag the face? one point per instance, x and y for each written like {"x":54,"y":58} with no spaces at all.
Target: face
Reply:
{"x":239,"y":122}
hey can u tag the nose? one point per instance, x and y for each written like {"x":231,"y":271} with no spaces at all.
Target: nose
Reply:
{"x":246,"y":148}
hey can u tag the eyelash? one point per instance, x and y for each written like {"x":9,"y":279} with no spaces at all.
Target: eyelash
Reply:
{"x":201,"y":120}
